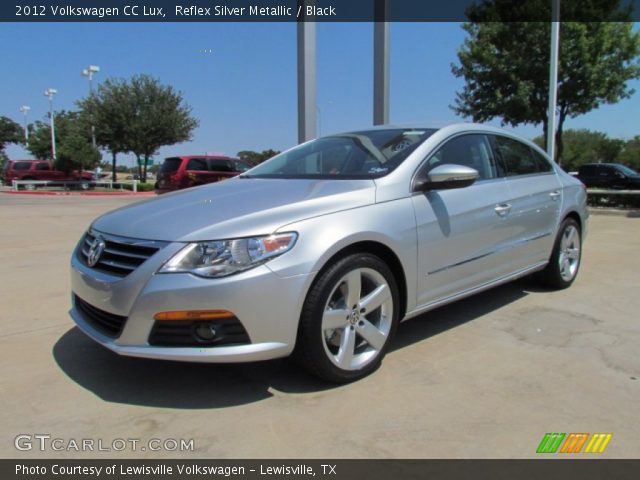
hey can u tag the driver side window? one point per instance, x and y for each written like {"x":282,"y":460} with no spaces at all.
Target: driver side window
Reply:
{"x":472,"y":150}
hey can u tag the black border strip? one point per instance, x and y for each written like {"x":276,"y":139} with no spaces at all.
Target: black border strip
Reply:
{"x":33,"y":11}
{"x":543,"y":468}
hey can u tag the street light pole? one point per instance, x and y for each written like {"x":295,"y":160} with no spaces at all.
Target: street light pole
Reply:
{"x":88,"y":72}
{"x":50,"y":92}
{"x":553,"y":79}
{"x":25,"y":109}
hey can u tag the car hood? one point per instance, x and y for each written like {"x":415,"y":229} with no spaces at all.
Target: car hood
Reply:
{"x":237,"y":207}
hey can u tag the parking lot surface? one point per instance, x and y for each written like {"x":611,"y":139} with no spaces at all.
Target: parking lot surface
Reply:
{"x":486,"y":377}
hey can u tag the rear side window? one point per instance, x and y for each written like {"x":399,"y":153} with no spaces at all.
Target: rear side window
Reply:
{"x":520,"y":159}
{"x":42,"y":166}
{"x":22,"y":165}
{"x":170,"y":165}
{"x":471,"y":150}
{"x":220,"y":166}
{"x":198,"y":164}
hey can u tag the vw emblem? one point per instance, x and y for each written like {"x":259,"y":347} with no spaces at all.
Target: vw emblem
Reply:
{"x":95,"y":251}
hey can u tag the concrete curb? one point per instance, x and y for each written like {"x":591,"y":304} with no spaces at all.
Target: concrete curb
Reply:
{"x":87,"y":194}
{"x":614,"y":212}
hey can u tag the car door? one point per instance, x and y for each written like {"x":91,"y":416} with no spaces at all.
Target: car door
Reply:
{"x":617,"y":179}
{"x":535,"y":201}
{"x":462,"y":233}
{"x":197,"y":172}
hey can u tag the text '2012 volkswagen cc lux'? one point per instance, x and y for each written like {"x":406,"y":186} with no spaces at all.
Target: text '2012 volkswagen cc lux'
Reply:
{"x":322,"y":250}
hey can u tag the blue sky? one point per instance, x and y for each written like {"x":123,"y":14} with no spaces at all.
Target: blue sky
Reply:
{"x":244,"y":91}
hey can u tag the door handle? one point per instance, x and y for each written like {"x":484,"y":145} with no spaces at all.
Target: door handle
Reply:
{"x":554,"y":195}
{"x":503,"y":209}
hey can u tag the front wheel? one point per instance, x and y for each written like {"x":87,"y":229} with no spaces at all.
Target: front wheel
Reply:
{"x":564,"y":262}
{"x":349,"y":318}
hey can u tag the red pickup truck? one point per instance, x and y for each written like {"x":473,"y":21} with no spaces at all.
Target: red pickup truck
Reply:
{"x":40,"y":170}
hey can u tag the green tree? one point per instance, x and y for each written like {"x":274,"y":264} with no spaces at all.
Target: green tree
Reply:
{"x":586,"y":146}
{"x":630,"y":154}
{"x":506,"y":64}
{"x":160,"y":117}
{"x":110,"y":110}
{"x":254,"y":158}
{"x":73,"y":142}
{"x":10,"y":132}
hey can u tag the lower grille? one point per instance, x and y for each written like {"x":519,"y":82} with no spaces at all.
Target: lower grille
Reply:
{"x":105,"y":322}
{"x":184,"y":334}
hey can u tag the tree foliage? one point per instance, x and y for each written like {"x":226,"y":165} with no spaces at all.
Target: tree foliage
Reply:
{"x":587,"y":146}
{"x":139,"y":116}
{"x":73,"y":142}
{"x":254,"y":158}
{"x":630,"y":154}
{"x":110,"y":110}
{"x":160,"y":117}
{"x":10,"y":132}
{"x":506,"y":64}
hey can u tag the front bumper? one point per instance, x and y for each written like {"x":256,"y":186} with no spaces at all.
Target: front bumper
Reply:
{"x":267,"y":305}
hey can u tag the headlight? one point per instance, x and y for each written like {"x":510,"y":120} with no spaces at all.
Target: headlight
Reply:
{"x":225,"y":257}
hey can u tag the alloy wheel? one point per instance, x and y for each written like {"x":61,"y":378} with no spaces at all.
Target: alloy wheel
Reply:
{"x":569,"y":254}
{"x":357,"y":319}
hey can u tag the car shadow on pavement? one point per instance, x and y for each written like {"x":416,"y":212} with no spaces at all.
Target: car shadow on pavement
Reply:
{"x":166,"y":384}
{"x":462,"y":311}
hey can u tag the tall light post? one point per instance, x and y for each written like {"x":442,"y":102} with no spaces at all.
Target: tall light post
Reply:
{"x":25,"y":109}
{"x":50,"y":92}
{"x":88,"y":72}
{"x":553,"y":79}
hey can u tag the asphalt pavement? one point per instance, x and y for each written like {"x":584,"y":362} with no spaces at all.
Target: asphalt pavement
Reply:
{"x":486,"y":377}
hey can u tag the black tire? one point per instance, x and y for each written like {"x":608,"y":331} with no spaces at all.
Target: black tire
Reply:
{"x":555,"y":275}
{"x":320,"y":354}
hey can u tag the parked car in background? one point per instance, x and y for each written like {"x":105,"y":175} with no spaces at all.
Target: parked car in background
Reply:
{"x":190,"y":171}
{"x":322,"y":250}
{"x":609,"y":176}
{"x":42,"y":170}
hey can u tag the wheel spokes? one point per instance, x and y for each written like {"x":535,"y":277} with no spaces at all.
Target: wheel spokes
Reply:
{"x":573,"y":253}
{"x":334,"y":319}
{"x":357,"y":318}
{"x":354,"y":287}
{"x":376,"y":298}
{"x":347,"y":347}
{"x":371,"y":334}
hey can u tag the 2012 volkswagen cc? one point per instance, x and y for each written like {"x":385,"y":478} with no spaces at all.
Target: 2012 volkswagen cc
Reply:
{"x":324,"y":249}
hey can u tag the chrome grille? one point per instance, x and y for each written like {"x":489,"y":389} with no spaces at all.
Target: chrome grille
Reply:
{"x":121,"y":256}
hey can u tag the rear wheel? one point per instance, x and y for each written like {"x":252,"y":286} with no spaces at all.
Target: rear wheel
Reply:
{"x":349,"y":318}
{"x":564,"y":262}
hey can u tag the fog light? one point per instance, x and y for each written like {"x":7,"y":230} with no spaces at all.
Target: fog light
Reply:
{"x":206,"y":331}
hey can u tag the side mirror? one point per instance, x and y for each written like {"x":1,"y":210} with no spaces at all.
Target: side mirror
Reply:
{"x":445,"y":177}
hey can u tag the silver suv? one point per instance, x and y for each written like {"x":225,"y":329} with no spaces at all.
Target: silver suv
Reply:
{"x":322,"y":250}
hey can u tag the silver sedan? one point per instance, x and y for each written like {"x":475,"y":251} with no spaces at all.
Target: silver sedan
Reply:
{"x":321,"y":251}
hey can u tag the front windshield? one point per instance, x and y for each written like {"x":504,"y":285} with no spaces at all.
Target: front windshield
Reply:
{"x":627,"y":171}
{"x":367,"y":154}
